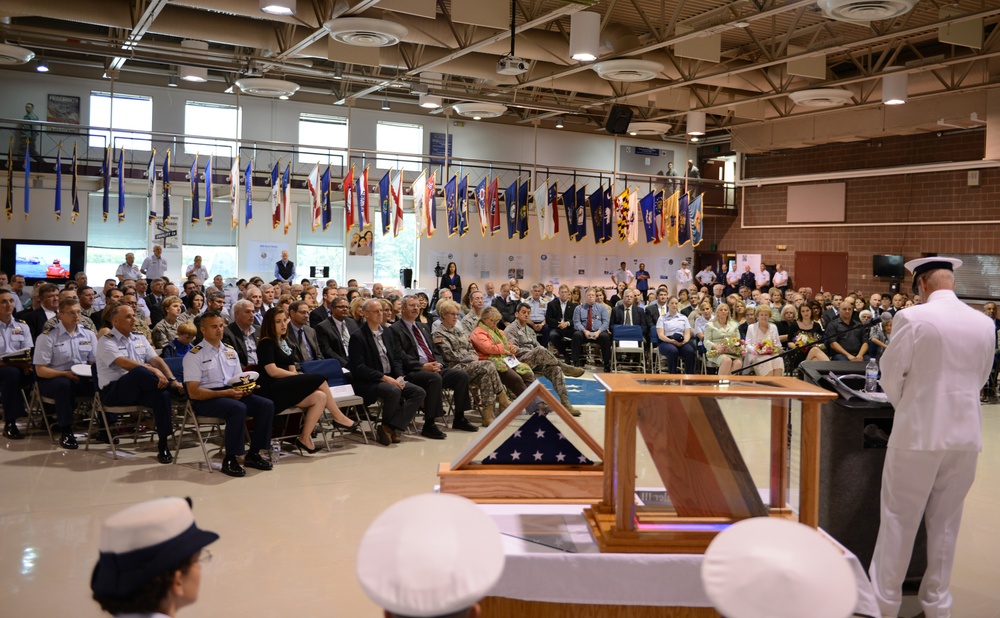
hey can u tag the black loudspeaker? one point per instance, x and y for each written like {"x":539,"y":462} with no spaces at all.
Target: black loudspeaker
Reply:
{"x":406,"y":278}
{"x":618,"y":119}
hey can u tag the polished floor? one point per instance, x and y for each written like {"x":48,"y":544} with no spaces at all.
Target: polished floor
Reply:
{"x":289,"y":536}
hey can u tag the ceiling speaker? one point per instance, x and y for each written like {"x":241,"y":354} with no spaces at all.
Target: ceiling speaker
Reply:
{"x":618,"y":120}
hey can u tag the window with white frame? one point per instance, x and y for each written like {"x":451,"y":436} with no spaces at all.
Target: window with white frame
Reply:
{"x":109,"y":240}
{"x":123,"y":113}
{"x":319,"y":247}
{"x":316,"y":131}
{"x":393,"y":253}
{"x":399,"y":137}
{"x":212,"y":128}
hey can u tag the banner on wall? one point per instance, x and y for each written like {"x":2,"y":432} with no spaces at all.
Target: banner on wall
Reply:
{"x":361,"y":241}
{"x":262,"y":255}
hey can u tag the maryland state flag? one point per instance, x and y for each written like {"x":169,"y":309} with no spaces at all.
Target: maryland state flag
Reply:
{"x":510,"y":201}
{"x":493,"y":204}
{"x":581,"y":213}
{"x":596,"y":201}
{"x":451,"y":205}
{"x":670,"y":208}
{"x":683,"y":220}
{"x":463,"y":206}
{"x":569,"y":203}
{"x":696,"y":215}
{"x":621,"y":214}
{"x":522,"y":210}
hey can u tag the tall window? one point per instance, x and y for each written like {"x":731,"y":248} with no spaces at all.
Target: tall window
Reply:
{"x":399,"y":137}
{"x":216,"y":127}
{"x":319,"y":248}
{"x":109,"y":241}
{"x":216,"y":244}
{"x":123,"y":112}
{"x":315,"y":129}
{"x":394,"y":253}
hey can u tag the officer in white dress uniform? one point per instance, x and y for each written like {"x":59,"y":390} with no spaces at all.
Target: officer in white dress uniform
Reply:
{"x":207,"y":369}
{"x":14,"y":336}
{"x":940,"y":355}
{"x":151,"y":557}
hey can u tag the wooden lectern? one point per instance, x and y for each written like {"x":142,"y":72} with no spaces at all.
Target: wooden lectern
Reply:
{"x":695,"y":454}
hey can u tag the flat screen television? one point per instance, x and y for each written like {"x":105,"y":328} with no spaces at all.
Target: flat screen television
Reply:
{"x":890,"y":266}
{"x":42,"y":260}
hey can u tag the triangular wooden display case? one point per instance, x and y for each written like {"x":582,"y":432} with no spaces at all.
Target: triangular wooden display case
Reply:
{"x":525,"y":483}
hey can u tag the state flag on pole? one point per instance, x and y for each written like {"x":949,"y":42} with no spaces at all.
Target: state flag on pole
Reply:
{"x":315,"y":197}
{"x":633,"y":217}
{"x":276,"y":195}
{"x":121,"y":185}
{"x":151,"y":186}
{"x":696,"y":215}
{"x":608,"y":225}
{"x":193,"y":178}
{"x":325,"y":187}
{"x":552,"y":199}
{"x":430,"y":204}
{"x":10,"y":179}
{"x":484,"y":218}
{"x":510,"y":201}
{"x":621,"y":214}
{"x":683,"y":220}
{"x":648,"y":207}
{"x":670,"y":209}
{"x":27,"y":179}
{"x":419,"y":188}
{"x":106,"y":181}
{"x":522,"y":210}
{"x":349,"y":200}
{"x":451,"y":205}
{"x":463,"y":206}
{"x":286,"y":195}
{"x":234,"y":193}
{"x":542,"y":209}
{"x":58,"y":204}
{"x":361,"y":191}
{"x":166,"y":187}
{"x":248,"y":180}
{"x":208,"y":191}
{"x":74,"y":198}
{"x":396,"y":190}
{"x":493,"y":204}
{"x":384,"y":201}
{"x":581,"y":213}
{"x":569,"y":203}
{"x":658,"y":196}
{"x":596,"y":201}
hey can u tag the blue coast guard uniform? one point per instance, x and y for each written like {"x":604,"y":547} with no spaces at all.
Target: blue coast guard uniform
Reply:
{"x":212,"y":367}
{"x":136,"y":387}
{"x":13,"y":336}
{"x":60,"y":350}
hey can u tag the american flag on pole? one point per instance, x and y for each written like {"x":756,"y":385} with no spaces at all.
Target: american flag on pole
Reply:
{"x":538,"y":441}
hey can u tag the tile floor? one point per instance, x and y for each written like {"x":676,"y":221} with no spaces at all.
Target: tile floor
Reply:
{"x":289,"y":536}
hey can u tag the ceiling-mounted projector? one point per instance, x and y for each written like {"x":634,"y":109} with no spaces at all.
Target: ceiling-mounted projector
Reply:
{"x":512,"y":65}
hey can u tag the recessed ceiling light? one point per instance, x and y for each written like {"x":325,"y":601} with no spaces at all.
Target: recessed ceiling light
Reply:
{"x":385,"y":104}
{"x":278,"y":7}
{"x":283,"y":97}
{"x":633,"y":133}
{"x":42,"y":66}
{"x":559,"y":123}
{"x":430,"y":101}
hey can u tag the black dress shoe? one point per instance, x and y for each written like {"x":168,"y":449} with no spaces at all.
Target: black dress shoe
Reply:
{"x":163,"y":453}
{"x":464,"y":425}
{"x":102,"y":436}
{"x":254,"y":460}
{"x":431,"y":431}
{"x":11,"y":431}
{"x":352,"y":428}
{"x":232,"y":467}
{"x":68,"y":441}
{"x":383,"y":435}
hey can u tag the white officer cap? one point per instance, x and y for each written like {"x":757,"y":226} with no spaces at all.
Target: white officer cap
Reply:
{"x":430,"y":555}
{"x":922,"y":265}
{"x":767,"y":567}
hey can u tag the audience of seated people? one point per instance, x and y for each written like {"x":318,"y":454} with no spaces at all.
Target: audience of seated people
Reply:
{"x":495,"y":342}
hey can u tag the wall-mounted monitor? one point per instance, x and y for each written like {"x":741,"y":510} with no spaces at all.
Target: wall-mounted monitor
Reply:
{"x":890,"y":266}
{"x":42,"y":260}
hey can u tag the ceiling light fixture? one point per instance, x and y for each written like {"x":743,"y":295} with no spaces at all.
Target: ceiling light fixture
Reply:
{"x":41,"y":66}
{"x":338,"y":72}
{"x":189,"y":73}
{"x":385,"y":103}
{"x":430,"y":101}
{"x":696,"y":123}
{"x":172,"y":81}
{"x":278,"y":7}
{"x":584,"y":36}
{"x":694,"y":138}
{"x":559,"y":123}
{"x":894,"y":88}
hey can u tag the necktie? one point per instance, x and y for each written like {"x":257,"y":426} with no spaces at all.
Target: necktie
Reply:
{"x":423,"y":345}
{"x":345,"y":337}
{"x":304,"y":346}
{"x":628,"y":317}
{"x":590,"y":317}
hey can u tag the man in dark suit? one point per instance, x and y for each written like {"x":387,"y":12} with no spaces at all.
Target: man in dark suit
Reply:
{"x":324,"y":311}
{"x":506,"y":304}
{"x":559,"y":319}
{"x":243,"y":334}
{"x":154,"y":301}
{"x":629,"y":314}
{"x":377,"y":373}
{"x":334,"y":335}
{"x":48,"y":295}
{"x":421,"y":366}
{"x":748,"y":279}
{"x":301,"y":336}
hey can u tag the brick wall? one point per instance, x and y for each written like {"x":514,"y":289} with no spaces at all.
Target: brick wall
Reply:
{"x":936,"y":197}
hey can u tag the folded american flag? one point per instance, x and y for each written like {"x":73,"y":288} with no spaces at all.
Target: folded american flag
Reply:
{"x":537,"y":441}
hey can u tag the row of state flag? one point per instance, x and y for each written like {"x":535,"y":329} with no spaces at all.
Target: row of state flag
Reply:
{"x":676,"y":219}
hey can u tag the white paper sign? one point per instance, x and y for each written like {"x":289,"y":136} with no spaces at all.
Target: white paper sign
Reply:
{"x":550,"y":268}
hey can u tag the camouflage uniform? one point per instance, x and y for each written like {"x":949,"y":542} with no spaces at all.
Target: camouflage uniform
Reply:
{"x":141,"y":327}
{"x":541,"y":360}
{"x":457,"y":351}
{"x":84,"y":322}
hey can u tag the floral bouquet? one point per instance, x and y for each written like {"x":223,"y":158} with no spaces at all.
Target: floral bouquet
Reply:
{"x":732,"y":346}
{"x":764,"y":348}
{"x":805,"y":339}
